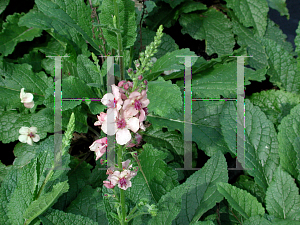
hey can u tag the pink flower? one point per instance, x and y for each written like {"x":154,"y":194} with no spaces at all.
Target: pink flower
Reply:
{"x":27,"y":99}
{"x":101,"y":119}
{"x":108,"y":184}
{"x":135,"y":104}
{"x":138,"y":139}
{"x":113,"y":101}
{"x":99,"y":147}
{"x":121,"y":127}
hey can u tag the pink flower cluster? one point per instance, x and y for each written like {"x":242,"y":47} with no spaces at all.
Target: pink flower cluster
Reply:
{"x":128,"y":110}
{"x":121,"y":178}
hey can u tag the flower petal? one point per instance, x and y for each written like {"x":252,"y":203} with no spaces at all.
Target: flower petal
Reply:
{"x":24,"y":130}
{"x":133,"y":124}
{"x":29,"y":105}
{"x":29,"y":141}
{"x":27,"y":98}
{"x":23,"y":138}
{"x":36,"y":138}
{"x":123,"y":136}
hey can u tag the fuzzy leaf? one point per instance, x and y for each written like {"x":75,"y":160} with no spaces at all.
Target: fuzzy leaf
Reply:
{"x":45,"y":201}
{"x":280,"y":6}
{"x":257,"y":220}
{"x":241,"y":200}
{"x":127,"y":22}
{"x":289,"y":129}
{"x":164,"y":97}
{"x":283,"y":199}
{"x":276,"y":104}
{"x":12,"y":34}
{"x":53,"y":217}
{"x":184,"y":202}
{"x":251,"y":13}
{"x":173,"y":3}
{"x":214,"y":27}
{"x":3,"y":5}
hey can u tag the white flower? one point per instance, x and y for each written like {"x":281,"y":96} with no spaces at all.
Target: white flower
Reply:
{"x":27,"y":99}
{"x":28,"y":135}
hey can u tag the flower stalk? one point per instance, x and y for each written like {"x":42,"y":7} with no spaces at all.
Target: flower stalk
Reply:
{"x":122,"y":192}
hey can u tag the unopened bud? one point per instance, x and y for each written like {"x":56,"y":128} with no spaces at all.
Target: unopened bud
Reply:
{"x":145,"y":82}
{"x":129,"y":70}
{"x":140,"y":77}
{"x":134,"y":72}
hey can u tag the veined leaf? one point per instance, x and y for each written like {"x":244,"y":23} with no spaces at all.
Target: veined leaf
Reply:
{"x":195,"y":196}
{"x":214,"y":27}
{"x":251,"y":13}
{"x":12,"y":34}
{"x":45,"y":201}
{"x":242,"y":201}
{"x":3,"y":5}
{"x":289,"y":129}
{"x":257,"y":220}
{"x":127,"y":22}
{"x":283,"y":199}
{"x":280,"y":6}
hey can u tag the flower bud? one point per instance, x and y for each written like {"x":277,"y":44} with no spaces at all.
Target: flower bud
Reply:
{"x":129,"y":70}
{"x":120,"y":84}
{"x":126,"y":86}
{"x":134,"y":72}
{"x":140,"y":77}
{"x":145,"y":82}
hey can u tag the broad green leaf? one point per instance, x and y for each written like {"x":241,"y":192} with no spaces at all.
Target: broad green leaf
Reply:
{"x":54,"y":217}
{"x":89,"y":203}
{"x":163,"y":180}
{"x":296,"y":146}
{"x":277,"y":221}
{"x":261,"y":144}
{"x":173,"y":3}
{"x":251,"y":13}
{"x":24,"y":153}
{"x":167,"y":43}
{"x":283,"y":67}
{"x":273,"y":32}
{"x":283,"y":199}
{"x":164,"y":97}
{"x":3,"y":5}
{"x":3,"y":171}
{"x":127,"y":22}
{"x":23,"y":195}
{"x":297,"y":40}
{"x":12,"y":34}
{"x":7,"y":188}
{"x":242,"y":201}
{"x":276,"y":104}
{"x":71,"y":14}
{"x":203,"y":223}
{"x":80,"y":113}
{"x":205,"y":124}
{"x":213,"y":26}
{"x":33,"y":58}
{"x":246,"y":38}
{"x":169,"y":140}
{"x":170,"y":61}
{"x":221,"y":80}
{"x":17,"y":76}
{"x":289,"y":129}
{"x":45,"y":201}
{"x":109,"y":204}
{"x":280,"y":6}
{"x":183,"y":202}
{"x":257,"y":220}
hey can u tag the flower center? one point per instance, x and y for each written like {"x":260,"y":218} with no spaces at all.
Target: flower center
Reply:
{"x":137,"y":105}
{"x":121,"y":123}
{"x":31,"y":135}
{"x":122,"y":181}
{"x":146,"y":111}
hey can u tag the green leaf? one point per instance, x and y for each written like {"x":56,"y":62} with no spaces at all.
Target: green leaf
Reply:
{"x":184,"y":202}
{"x":127,"y":22}
{"x":45,"y":201}
{"x":280,"y":6}
{"x":251,"y":13}
{"x":273,"y":32}
{"x":288,"y":131}
{"x":296,"y":145}
{"x":297,"y":40}
{"x":261,"y":144}
{"x":205,"y":124}
{"x":221,"y":80}
{"x":277,"y":221}
{"x":12,"y":34}
{"x":164,"y":97}
{"x":3,"y":5}
{"x":276,"y":104}
{"x":283,"y":199}
{"x":257,"y":220}
{"x":6,"y":190}
{"x":34,"y":58}
{"x":17,"y":76}
{"x":89,"y":203}
{"x":23,"y":195}
{"x":3,"y":171}
{"x":246,"y":38}
{"x":162,"y":181}
{"x":53,"y":217}
{"x":283,"y":67}
{"x":173,"y":3}
{"x":71,"y":14}
{"x":241,"y":200}
{"x":169,"y":140}
{"x":213,"y":26}
{"x":80,"y":113}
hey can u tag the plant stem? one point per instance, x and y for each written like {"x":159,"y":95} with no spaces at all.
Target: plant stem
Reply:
{"x":122,"y":193}
{"x":119,"y":38}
